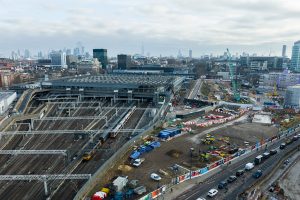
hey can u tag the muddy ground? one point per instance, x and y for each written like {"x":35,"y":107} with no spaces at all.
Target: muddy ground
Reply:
{"x":160,"y":158}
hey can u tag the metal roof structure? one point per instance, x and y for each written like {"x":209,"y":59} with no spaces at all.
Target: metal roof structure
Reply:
{"x":115,"y":81}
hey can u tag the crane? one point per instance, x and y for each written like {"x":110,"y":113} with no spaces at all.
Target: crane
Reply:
{"x":233,"y":77}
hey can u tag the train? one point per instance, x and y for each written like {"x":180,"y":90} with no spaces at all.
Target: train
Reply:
{"x":112,"y":133}
{"x":115,"y":131}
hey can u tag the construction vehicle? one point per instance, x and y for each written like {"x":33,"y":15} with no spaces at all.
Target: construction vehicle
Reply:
{"x":209,"y":139}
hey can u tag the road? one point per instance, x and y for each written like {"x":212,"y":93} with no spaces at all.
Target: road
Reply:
{"x":196,"y":89}
{"x":242,"y":183}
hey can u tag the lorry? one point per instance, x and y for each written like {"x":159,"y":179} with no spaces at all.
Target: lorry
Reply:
{"x":258,"y":160}
{"x":138,"y":162}
{"x":249,"y":166}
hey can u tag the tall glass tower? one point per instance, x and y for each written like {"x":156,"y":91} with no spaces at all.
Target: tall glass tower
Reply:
{"x":295,"y":61}
{"x":101,"y":54}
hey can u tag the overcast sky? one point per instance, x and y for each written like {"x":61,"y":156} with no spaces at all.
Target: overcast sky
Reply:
{"x":162,"y":26}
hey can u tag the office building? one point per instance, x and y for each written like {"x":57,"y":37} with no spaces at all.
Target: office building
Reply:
{"x":58,"y":59}
{"x":89,"y":66}
{"x":6,"y":99}
{"x":281,"y":79}
{"x":273,"y":62}
{"x":284,"y":51}
{"x":124,"y":61}
{"x":190,"y":53}
{"x":295,"y":60}
{"x":101,"y":55}
{"x":292,"y":96}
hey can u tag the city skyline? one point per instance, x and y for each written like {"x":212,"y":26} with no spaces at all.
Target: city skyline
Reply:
{"x":162,"y":27}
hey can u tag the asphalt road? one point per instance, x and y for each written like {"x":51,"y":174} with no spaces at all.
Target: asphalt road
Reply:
{"x":241,"y":183}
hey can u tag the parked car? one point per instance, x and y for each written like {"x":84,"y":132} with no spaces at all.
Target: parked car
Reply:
{"x":239,"y":172}
{"x":222,"y":184}
{"x":231,"y":179}
{"x":138,"y":162}
{"x":155,"y":177}
{"x":257,"y":174}
{"x":212,"y":192}
{"x":273,"y":151}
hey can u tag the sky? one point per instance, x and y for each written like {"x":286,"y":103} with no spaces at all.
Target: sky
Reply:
{"x":163,"y":27}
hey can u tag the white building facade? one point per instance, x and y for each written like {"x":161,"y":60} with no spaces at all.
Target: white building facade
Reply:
{"x":6,"y":99}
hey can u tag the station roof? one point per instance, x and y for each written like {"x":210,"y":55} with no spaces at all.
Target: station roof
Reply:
{"x":116,"y":81}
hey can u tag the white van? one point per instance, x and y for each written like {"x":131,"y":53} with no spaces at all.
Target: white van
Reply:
{"x":249,"y":166}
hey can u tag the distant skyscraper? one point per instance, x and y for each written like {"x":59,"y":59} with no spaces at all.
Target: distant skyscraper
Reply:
{"x":295,"y":61}
{"x":58,"y":59}
{"x":26,"y":53}
{"x":124,"y":61}
{"x":190,"y":53}
{"x":284,"y":51}
{"x":68,"y":52}
{"x":40,"y":55}
{"x":101,"y":54}
{"x":76,"y":52}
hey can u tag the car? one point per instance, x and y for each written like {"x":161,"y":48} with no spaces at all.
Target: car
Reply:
{"x":200,"y":198}
{"x":273,"y":151}
{"x":295,"y":138}
{"x":266,"y":155}
{"x":282,"y":146}
{"x":231,"y":179}
{"x":257,"y":174}
{"x":239,"y":172}
{"x":155,"y":177}
{"x":222,"y":184}
{"x":212,"y":192}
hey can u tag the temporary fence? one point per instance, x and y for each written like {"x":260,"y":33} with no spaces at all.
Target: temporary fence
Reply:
{"x":226,"y":160}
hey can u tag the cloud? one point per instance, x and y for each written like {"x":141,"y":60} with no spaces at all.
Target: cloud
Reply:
{"x":194,"y":23}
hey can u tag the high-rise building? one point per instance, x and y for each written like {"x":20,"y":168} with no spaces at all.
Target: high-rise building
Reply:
{"x":295,"y":60}
{"x":190,"y":53}
{"x":26,"y":53}
{"x":124,"y":61}
{"x":101,"y":55}
{"x":284,"y":51}
{"x":58,"y":59}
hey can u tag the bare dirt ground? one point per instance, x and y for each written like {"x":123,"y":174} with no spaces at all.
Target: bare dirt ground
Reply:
{"x":159,"y":158}
{"x":291,"y":182}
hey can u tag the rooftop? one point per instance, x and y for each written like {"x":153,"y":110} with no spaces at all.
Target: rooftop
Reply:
{"x":5,"y":95}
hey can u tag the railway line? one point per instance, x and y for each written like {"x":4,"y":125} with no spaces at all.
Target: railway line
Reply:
{"x":59,"y":164}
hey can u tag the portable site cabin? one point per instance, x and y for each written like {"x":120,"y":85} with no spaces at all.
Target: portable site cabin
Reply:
{"x":120,"y":183}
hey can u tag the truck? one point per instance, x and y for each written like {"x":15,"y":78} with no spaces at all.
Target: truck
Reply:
{"x":258,"y":160}
{"x":249,"y":166}
{"x":138,"y":162}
